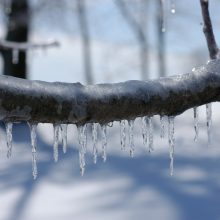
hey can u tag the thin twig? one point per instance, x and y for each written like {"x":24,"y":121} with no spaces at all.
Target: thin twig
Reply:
{"x":208,"y":30}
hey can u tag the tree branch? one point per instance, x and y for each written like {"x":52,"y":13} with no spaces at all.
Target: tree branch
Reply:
{"x":9,"y":45}
{"x":208,"y":30}
{"x":37,"y":101}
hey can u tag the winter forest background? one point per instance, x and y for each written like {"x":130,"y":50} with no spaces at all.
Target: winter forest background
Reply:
{"x":120,"y":188}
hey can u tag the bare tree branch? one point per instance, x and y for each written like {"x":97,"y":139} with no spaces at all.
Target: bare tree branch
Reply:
{"x":86,"y":44}
{"x":141,"y":36}
{"x":9,"y":45}
{"x":208,"y":30}
{"x":37,"y":101}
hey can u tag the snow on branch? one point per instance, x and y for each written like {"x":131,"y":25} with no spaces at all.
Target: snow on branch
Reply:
{"x":38,"y":101}
{"x":23,"y":46}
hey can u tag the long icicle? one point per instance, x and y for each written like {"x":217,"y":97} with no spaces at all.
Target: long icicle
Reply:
{"x":56,"y":128}
{"x":64,"y":137}
{"x":150,"y":134}
{"x":104,"y":142}
{"x":196,"y":123}
{"x":131,"y":137}
{"x":82,"y":148}
{"x":94,"y":139}
{"x":162,"y":126}
{"x":144,"y":130}
{"x":171,"y":141}
{"x":209,"y":121}
{"x":123,"y":134}
{"x":33,"y":130}
{"x":8,"y":126}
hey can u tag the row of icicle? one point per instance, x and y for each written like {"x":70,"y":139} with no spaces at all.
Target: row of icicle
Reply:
{"x":147,"y":133}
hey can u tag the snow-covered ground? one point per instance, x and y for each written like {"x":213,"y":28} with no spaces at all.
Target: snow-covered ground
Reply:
{"x":121,"y":188}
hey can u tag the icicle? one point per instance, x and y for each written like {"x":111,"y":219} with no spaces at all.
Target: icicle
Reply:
{"x":104,"y":142}
{"x":171,"y":141}
{"x":33,"y":129}
{"x":56,"y":142}
{"x":196,"y":123}
{"x":15,"y":56}
{"x":122,"y":134}
{"x":173,"y":6}
{"x":94,"y":139}
{"x":144,"y":130}
{"x":131,"y":136}
{"x":162,"y":130}
{"x":64,"y":137}
{"x":82,"y":149}
{"x":150,"y":134}
{"x":8,"y":126}
{"x":209,"y":121}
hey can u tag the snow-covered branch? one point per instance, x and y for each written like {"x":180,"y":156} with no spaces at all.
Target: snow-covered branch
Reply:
{"x":23,"y":46}
{"x":37,"y":101}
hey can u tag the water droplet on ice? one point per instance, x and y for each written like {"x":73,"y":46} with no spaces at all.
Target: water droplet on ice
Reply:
{"x":173,"y":7}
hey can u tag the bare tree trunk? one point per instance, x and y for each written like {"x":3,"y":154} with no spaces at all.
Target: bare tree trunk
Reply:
{"x":138,"y":28}
{"x":143,"y":41}
{"x":18,"y":28}
{"x":83,"y":25}
{"x":161,"y":39}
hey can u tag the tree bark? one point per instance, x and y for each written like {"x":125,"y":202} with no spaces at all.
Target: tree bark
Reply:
{"x":18,"y":28}
{"x":37,"y":101}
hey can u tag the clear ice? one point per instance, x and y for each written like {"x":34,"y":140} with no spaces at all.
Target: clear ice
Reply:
{"x":162,"y":126}
{"x":196,"y":122}
{"x":150,"y":134}
{"x":94,"y":139}
{"x":209,"y":121}
{"x":123,"y":134}
{"x":144,"y":130}
{"x":82,"y":150}
{"x":64,"y":137}
{"x":56,"y":128}
{"x":15,"y":56}
{"x":104,"y":142}
{"x":131,"y":136}
{"x":33,"y":129}
{"x":171,"y":141}
{"x":8,"y":126}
